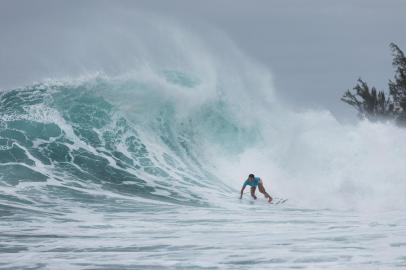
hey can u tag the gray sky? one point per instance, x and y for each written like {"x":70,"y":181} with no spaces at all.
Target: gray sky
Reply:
{"x":316,"y":49}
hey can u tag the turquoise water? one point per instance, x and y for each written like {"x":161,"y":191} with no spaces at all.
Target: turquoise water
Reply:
{"x":119,"y":174}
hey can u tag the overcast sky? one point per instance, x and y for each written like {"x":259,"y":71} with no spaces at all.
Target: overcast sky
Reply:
{"x":316,"y":49}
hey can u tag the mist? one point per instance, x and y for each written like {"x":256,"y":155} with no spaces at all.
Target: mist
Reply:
{"x":316,"y":50}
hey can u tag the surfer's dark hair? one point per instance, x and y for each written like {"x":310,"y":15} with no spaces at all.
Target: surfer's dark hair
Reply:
{"x":251,"y":175}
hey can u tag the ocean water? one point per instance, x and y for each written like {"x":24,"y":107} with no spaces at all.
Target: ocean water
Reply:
{"x":130,"y":235}
{"x":86,"y":186}
{"x":142,"y":170}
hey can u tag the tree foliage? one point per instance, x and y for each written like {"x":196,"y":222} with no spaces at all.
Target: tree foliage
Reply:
{"x":376,"y":105}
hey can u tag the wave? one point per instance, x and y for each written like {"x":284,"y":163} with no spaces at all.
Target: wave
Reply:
{"x":186,"y":126}
{"x":68,"y":138}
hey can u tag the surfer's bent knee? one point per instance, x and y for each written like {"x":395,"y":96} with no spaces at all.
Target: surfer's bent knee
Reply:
{"x":261,"y":188}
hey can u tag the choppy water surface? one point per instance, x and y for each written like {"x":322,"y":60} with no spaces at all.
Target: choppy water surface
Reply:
{"x":143,"y":172}
{"x":129,"y":234}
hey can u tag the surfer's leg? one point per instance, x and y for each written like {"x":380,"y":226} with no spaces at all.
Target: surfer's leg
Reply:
{"x":253,"y":192}
{"x":262,"y":190}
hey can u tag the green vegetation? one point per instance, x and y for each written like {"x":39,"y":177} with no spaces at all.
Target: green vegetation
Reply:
{"x":378,"y":105}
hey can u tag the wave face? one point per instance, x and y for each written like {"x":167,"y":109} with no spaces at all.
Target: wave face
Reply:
{"x":63,"y":139}
{"x":130,"y":137}
{"x":186,"y":125}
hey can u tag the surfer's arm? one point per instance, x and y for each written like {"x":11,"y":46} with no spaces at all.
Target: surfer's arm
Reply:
{"x":242,"y":190}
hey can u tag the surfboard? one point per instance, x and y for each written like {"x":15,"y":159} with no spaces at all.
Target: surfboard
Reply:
{"x":279,"y":201}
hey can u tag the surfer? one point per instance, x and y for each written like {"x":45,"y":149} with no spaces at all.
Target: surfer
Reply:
{"x":254,"y":182}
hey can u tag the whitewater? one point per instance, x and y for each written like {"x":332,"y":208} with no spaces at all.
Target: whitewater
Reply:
{"x":140,"y":168}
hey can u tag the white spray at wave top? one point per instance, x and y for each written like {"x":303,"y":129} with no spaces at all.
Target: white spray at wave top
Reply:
{"x":240,"y":128}
{"x":309,"y":157}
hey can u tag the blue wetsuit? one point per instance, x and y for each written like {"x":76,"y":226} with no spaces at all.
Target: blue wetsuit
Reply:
{"x":252,"y":183}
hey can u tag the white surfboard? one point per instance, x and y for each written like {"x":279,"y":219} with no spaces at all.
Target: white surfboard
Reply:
{"x":279,"y":201}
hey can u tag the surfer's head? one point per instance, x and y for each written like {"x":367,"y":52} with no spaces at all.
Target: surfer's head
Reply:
{"x":251,"y":176}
